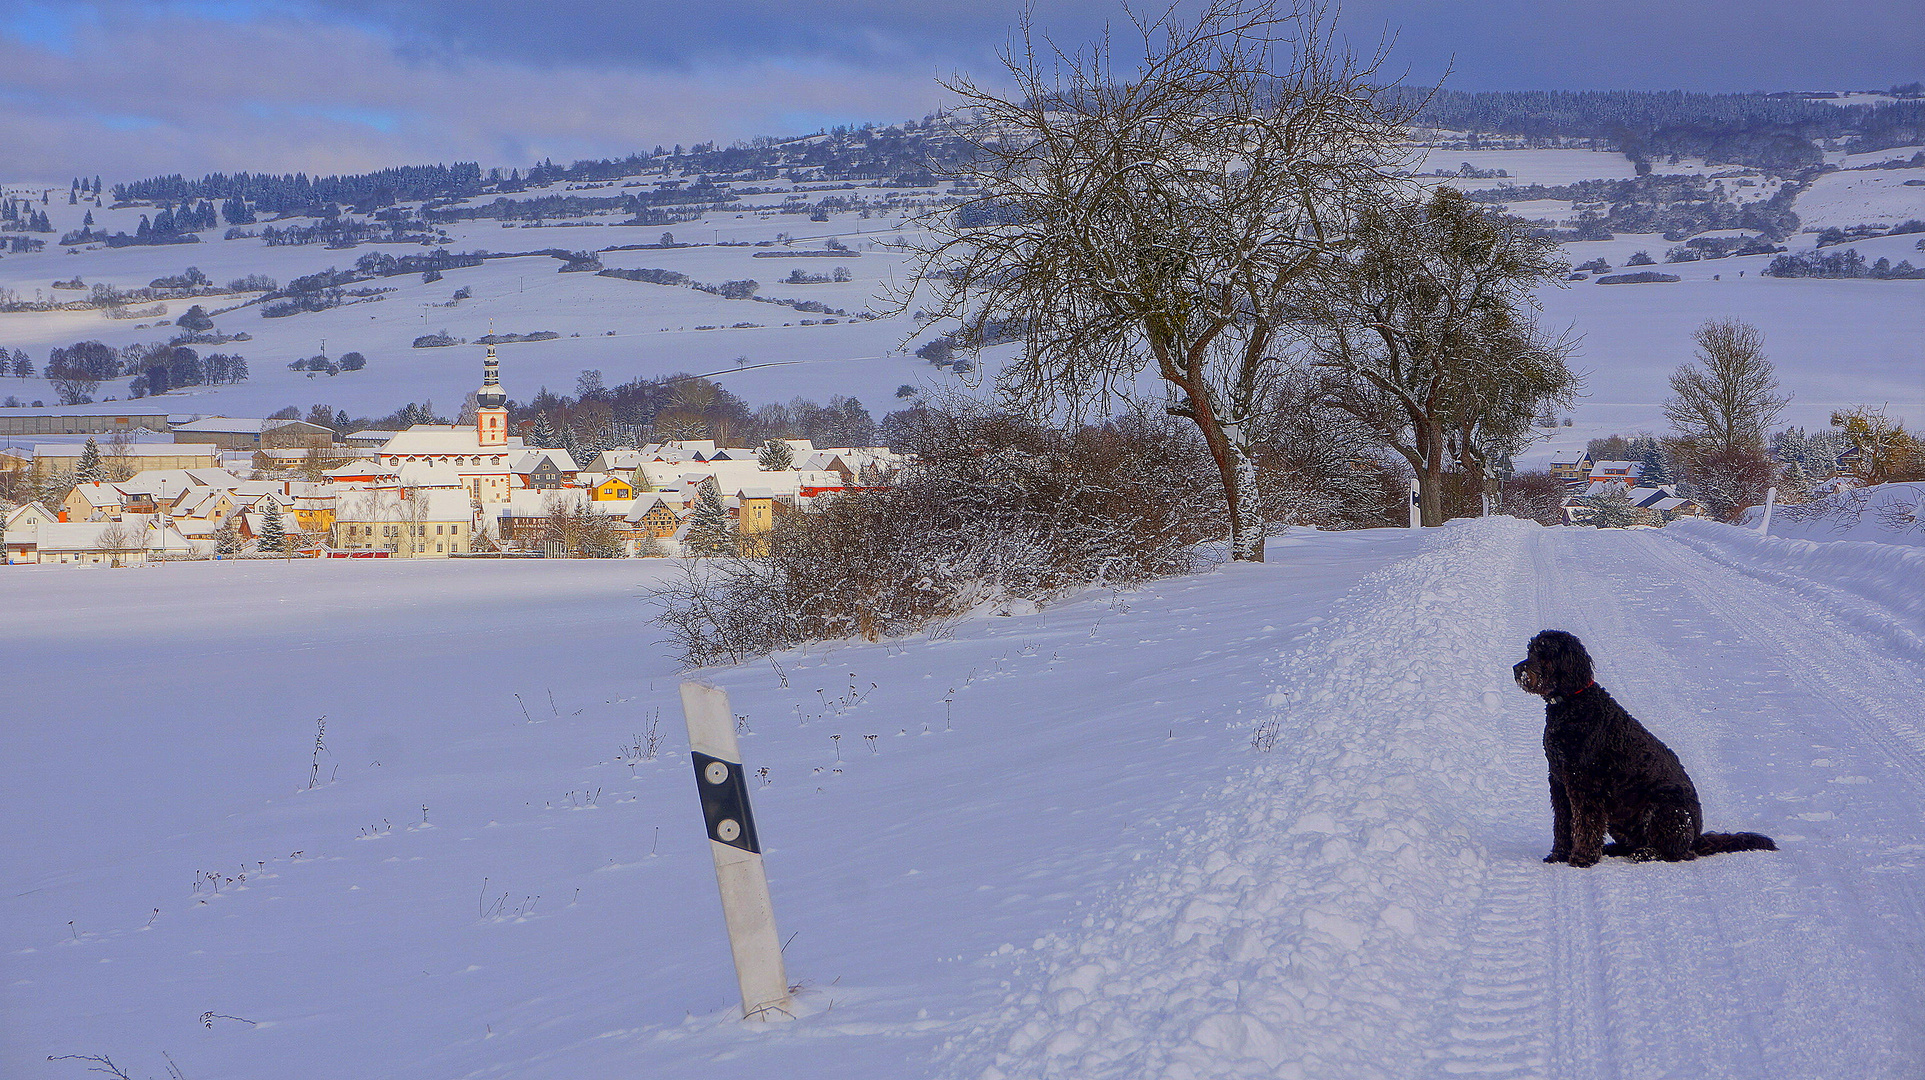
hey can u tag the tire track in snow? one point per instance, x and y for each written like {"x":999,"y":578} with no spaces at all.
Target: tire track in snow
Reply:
{"x":1827,"y":653}
{"x":1857,"y":680}
{"x":1536,"y":920}
{"x":1744,"y":965}
{"x":1504,"y":987}
{"x":1312,"y":926}
{"x":1619,"y":937}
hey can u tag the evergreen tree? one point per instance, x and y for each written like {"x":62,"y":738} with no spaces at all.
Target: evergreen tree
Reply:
{"x":227,"y":539}
{"x":710,"y":532}
{"x":1656,"y":469}
{"x":88,"y":471}
{"x":273,"y":533}
{"x":543,"y":435}
{"x":775,"y":456}
{"x":1610,"y":508}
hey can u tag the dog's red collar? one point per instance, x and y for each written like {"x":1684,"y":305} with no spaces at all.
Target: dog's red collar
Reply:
{"x":1557,"y":700}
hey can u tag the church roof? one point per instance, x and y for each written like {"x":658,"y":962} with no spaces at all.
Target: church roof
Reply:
{"x":431,"y":439}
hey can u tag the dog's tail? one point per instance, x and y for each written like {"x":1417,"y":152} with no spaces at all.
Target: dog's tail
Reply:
{"x":1717,"y":843}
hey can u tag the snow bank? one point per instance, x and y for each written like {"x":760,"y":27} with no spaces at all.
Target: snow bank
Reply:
{"x":1298,"y":929}
{"x":1883,"y":513}
{"x":1870,"y":585}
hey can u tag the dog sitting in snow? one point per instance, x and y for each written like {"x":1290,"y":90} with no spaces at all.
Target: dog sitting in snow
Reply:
{"x":1609,"y":773}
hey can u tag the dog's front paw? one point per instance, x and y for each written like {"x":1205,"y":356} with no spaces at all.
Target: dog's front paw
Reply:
{"x":1644,"y":854}
{"x":1584,"y":859}
{"x":1558,"y":856}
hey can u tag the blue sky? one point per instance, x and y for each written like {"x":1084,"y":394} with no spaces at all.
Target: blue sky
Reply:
{"x":125,"y":88}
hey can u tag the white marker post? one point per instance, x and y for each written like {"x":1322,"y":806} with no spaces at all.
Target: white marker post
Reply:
{"x":1416,"y":509}
{"x":1771,"y":500}
{"x":746,"y":908}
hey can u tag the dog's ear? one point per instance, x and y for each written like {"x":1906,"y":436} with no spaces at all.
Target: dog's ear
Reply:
{"x":1565,"y":665}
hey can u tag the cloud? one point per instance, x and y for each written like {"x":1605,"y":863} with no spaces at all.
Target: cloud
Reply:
{"x":136,"y":96}
{"x":135,"y":87}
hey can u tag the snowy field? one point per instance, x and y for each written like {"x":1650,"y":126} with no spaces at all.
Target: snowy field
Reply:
{"x":1277,"y":820}
{"x":1835,"y":343}
{"x":1871,"y":197}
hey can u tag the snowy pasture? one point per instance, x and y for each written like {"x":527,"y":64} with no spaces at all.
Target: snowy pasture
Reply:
{"x":1275,"y":820}
{"x":1834,"y":342}
{"x":1869,"y":197}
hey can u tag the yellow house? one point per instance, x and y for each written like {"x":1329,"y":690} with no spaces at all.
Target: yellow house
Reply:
{"x":755,"y":519}
{"x":206,"y":504}
{"x":609,"y":489}
{"x":314,"y":513}
{"x":93,"y":502}
{"x":423,"y":523}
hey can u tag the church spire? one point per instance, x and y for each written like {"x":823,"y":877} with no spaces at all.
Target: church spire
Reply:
{"x":491,"y":396}
{"x":491,"y":404}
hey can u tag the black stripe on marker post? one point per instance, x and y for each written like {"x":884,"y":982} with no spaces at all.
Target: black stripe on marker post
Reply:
{"x":724,"y":789}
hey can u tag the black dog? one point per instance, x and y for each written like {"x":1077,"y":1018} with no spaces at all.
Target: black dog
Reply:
{"x":1608,"y":772}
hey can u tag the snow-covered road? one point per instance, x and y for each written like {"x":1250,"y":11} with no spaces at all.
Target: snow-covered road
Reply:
{"x":1370,"y":901}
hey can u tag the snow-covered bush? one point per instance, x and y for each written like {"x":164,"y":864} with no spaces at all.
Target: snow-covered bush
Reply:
{"x":996,"y":509}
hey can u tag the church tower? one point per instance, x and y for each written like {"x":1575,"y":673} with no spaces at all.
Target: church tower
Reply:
{"x":491,"y":414}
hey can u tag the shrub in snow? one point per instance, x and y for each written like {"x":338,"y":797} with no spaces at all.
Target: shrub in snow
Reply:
{"x":996,"y":509}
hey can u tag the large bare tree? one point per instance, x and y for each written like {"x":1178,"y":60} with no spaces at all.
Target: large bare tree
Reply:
{"x":1150,"y":206}
{"x":1423,"y":331}
{"x":1720,"y":410}
{"x":1728,"y":400}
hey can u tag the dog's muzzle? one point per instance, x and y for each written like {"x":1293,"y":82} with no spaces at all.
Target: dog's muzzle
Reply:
{"x":1526,"y":678}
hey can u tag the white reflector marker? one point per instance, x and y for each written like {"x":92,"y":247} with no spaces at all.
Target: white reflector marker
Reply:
{"x":722,"y":785}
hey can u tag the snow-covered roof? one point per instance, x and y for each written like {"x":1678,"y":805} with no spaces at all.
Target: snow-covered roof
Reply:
{"x":639,"y":507}
{"x":530,"y":460}
{"x":99,"y":494}
{"x":232,"y":425}
{"x":141,"y":532}
{"x":132,"y":450}
{"x":1617,"y":468}
{"x":421,"y":474}
{"x":437,"y":505}
{"x":615,"y":461}
{"x":14,"y":517}
{"x":443,"y":439}
{"x":165,"y":485}
{"x":535,"y":502}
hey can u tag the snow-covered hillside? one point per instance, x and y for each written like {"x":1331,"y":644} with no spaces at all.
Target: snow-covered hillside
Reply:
{"x":1276,"y":820}
{"x":1836,"y":344}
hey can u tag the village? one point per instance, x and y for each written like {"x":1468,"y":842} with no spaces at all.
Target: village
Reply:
{"x":238,"y":487}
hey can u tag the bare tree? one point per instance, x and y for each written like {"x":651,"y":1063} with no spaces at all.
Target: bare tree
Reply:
{"x":411,"y":507}
{"x":1720,"y":412}
{"x":118,"y":464}
{"x":1153,"y":209}
{"x":1423,"y":333}
{"x":1730,"y":402}
{"x":580,"y":530}
{"x":118,"y":540}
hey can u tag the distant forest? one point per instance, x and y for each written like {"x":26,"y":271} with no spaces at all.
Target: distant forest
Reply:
{"x":1767,"y":131}
{"x":1778,"y":132}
